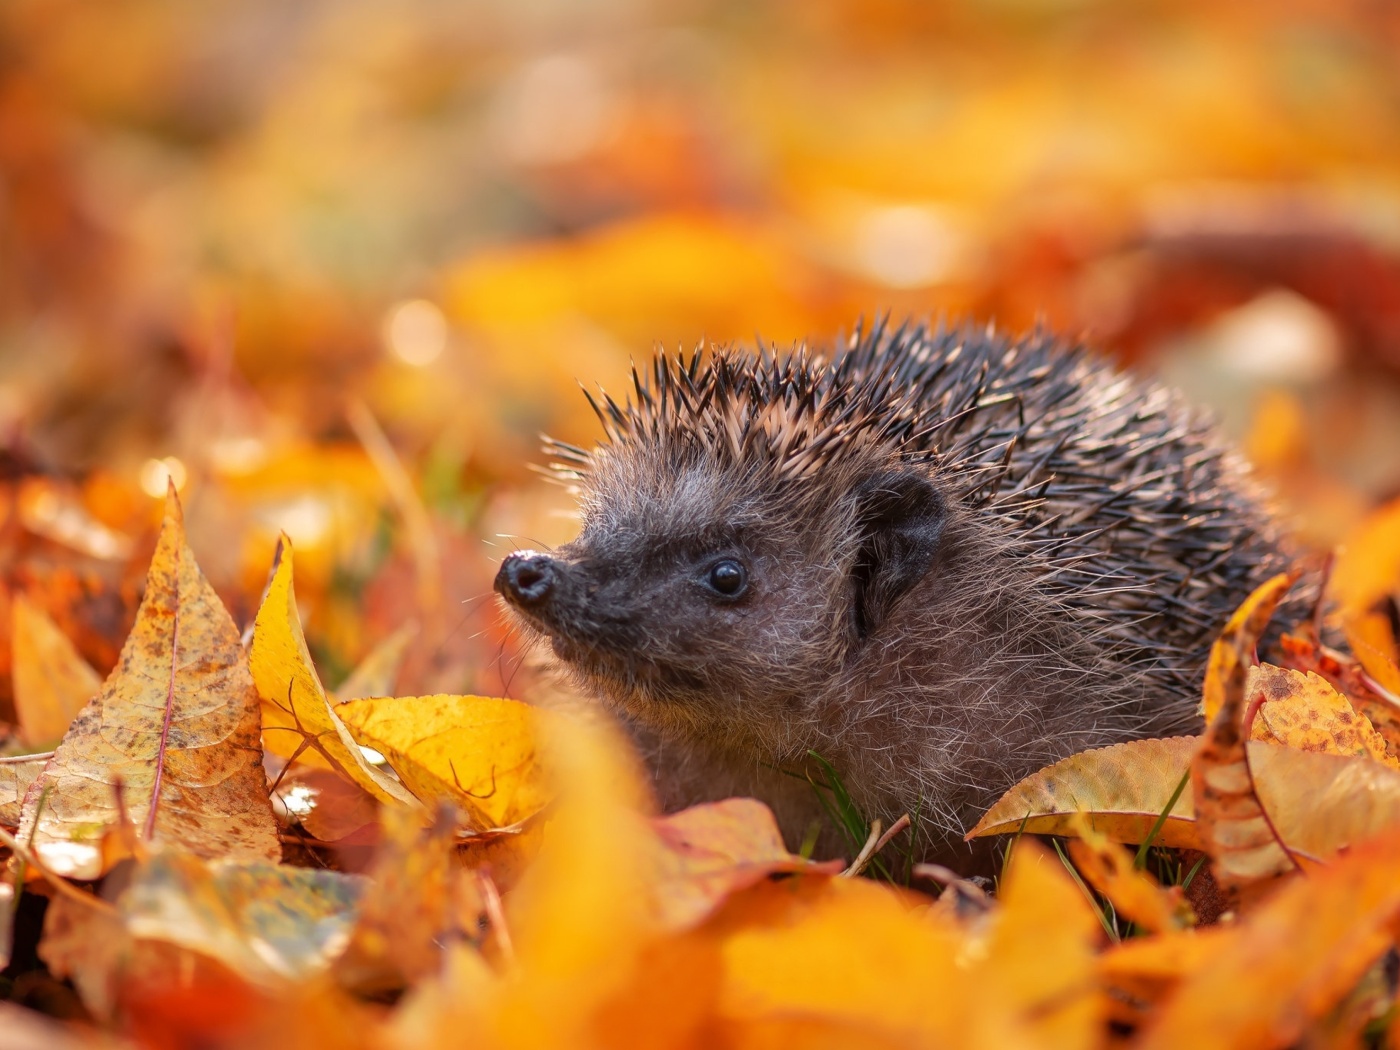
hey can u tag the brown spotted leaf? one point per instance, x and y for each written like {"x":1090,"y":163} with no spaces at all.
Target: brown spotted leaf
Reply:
{"x":52,"y":681}
{"x":1244,"y":846}
{"x":175,"y":724}
{"x":1302,"y":710}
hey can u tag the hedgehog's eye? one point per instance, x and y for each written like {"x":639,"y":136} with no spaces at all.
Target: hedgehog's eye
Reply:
{"x":728,"y":578}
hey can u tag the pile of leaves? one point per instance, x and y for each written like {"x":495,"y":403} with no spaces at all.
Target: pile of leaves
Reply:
{"x":182,"y":839}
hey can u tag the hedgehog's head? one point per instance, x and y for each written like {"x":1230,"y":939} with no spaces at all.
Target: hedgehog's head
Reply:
{"x":746,"y":524}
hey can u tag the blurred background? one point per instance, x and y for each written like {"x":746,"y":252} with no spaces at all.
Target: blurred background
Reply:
{"x":333,"y":265}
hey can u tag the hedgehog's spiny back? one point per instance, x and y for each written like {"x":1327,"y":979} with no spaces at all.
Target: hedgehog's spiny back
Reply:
{"x":1130,"y":512}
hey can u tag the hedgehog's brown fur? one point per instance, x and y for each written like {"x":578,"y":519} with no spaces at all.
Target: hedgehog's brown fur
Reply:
{"x":967,"y":557}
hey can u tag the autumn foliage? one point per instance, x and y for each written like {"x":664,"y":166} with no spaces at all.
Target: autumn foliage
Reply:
{"x":287,"y":293}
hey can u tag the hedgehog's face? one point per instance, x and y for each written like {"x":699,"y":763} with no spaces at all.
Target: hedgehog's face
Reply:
{"x":698,"y":595}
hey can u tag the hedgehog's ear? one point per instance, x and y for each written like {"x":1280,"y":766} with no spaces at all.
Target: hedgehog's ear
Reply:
{"x":900,"y":517}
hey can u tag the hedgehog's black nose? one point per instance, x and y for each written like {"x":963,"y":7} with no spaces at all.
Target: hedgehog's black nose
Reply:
{"x":526,"y":577}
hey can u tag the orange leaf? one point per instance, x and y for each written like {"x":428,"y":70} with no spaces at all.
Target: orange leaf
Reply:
{"x":176,"y":724}
{"x":1292,"y":959}
{"x":1135,"y":894}
{"x":711,"y":851}
{"x":1368,"y":564}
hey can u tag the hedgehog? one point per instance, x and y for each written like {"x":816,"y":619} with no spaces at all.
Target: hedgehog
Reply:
{"x":928,"y":562}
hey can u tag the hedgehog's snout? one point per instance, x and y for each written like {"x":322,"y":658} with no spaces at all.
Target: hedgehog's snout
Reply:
{"x":527,"y":578}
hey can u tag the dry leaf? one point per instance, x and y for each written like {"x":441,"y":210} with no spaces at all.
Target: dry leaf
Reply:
{"x":711,"y":851}
{"x":1302,"y":710}
{"x":478,"y":753}
{"x":265,"y":924}
{"x":16,"y":774}
{"x":176,"y":725}
{"x":323,"y":802}
{"x":1368,"y":565}
{"x":418,"y":900}
{"x":1123,"y":788}
{"x":52,"y":682}
{"x":1319,"y":803}
{"x":1135,"y":894}
{"x":295,"y":708}
{"x":1373,"y":640}
{"x":1292,"y":959}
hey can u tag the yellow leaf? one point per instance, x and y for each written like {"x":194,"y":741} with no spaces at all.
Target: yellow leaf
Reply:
{"x":1319,"y":803}
{"x":295,"y":708}
{"x":478,"y":753}
{"x":1228,"y":665}
{"x":176,"y":725}
{"x":1122,"y":788}
{"x":1304,"y":711}
{"x":1039,"y":961}
{"x":842,"y":952}
{"x":52,"y":682}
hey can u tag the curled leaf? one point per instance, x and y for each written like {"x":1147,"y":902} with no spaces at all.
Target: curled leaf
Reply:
{"x":1245,"y":849}
{"x":296,"y":712}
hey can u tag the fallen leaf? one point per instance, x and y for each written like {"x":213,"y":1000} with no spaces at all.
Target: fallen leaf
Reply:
{"x":1367,"y":566}
{"x":1373,"y":640}
{"x":52,"y":682}
{"x":16,"y":774}
{"x":1140,"y":973}
{"x":1320,"y":803}
{"x":478,"y":753}
{"x":418,"y":900}
{"x":711,"y":851}
{"x":1291,"y":960}
{"x":1122,"y":788}
{"x":1245,"y":848}
{"x":323,"y":802}
{"x":1302,"y":710}
{"x":296,"y":711}
{"x":176,"y":725}
{"x":1135,"y":894}
{"x":267,"y":924}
